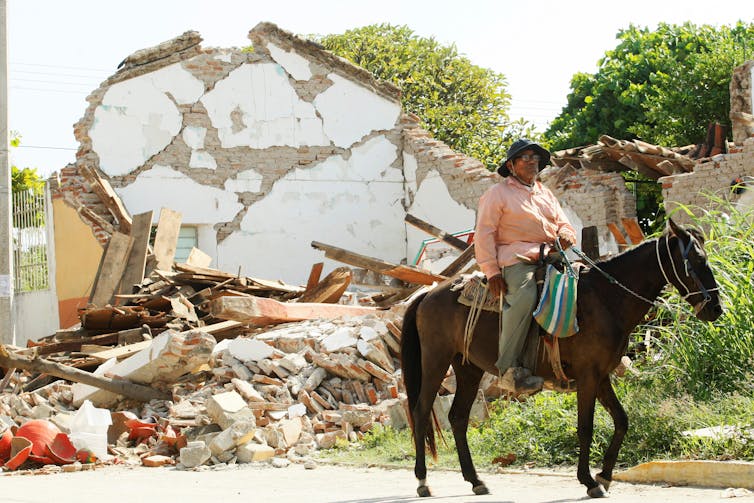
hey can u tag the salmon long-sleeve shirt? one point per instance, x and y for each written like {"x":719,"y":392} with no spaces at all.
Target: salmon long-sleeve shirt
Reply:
{"x":514,"y":219}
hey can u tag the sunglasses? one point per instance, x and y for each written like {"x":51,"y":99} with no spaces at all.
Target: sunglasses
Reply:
{"x":529,"y":157}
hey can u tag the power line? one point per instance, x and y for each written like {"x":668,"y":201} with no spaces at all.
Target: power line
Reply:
{"x":65,"y":67}
{"x":46,"y":147}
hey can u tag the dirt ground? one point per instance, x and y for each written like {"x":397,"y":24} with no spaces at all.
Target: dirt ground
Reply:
{"x":325,"y":483}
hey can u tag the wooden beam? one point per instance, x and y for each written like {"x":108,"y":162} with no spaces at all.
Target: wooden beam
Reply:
{"x":440,"y":234}
{"x":314,"y":275}
{"x":330,"y":289}
{"x":137,"y":258}
{"x":402,"y":272}
{"x":198,"y":258}
{"x":590,"y":242}
{"x":261,"y":311}
{"x":112,"y":265}
{"x":128,"y":389}
{"x":109,"y":198}
{"x":618,"y":235}
{"x":635,"y":234}
{"x":459,"y":263}
{"x":166,"y":239}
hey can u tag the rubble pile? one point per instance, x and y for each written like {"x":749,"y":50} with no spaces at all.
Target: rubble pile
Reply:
{"x":179,"y":363}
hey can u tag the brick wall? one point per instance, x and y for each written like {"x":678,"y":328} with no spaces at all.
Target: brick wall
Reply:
{"x":709,"y":184}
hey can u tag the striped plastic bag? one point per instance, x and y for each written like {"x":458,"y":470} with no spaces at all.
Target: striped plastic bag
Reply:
{"x":556,"y":312}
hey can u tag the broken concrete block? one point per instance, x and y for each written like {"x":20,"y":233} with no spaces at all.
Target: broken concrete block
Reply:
{"x":315,"y":379}
{"x":291,"y":429}
{"x":341,"y":338}
{"x":247,"y":390}
{"x":249,"y":349}
{"x":237,"y":434}
{"x":328,"y":440}
{"x":227,"y":408}
{"x":171,"y":355}
{"x":296,"y":410}
{"x":251,"y":452}
{"x":293,"y":363}
{"x":357,"y":417}
{"x":194,"y":454}
{"x":242,"y":371}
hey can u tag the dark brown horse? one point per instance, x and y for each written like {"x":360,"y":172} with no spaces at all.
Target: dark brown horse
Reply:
{"x":613,"y":297}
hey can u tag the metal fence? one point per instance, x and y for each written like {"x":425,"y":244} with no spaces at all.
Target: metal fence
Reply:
{"x":30,"y":257}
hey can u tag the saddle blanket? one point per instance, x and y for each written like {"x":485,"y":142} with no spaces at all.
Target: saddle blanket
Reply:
{"x":474,"y":292}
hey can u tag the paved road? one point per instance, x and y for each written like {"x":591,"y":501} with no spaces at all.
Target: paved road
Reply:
{"x":326,"y":483}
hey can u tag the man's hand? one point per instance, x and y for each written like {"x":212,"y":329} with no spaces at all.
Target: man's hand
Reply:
{"x":565,"y":241}
{"x":497,"y":285}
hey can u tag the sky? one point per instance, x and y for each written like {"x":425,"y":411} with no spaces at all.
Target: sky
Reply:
{"x":60,"y":51}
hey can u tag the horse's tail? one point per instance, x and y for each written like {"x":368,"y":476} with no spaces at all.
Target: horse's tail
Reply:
{"x":411,"y":368}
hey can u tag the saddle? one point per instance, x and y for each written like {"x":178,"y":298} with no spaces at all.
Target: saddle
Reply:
{"x":541,"y":346}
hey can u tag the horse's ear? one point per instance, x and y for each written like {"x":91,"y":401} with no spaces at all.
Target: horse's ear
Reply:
{"x":674,"y":229}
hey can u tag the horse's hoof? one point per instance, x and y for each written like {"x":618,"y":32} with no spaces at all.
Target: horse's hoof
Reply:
{"x":423,"y":491}
{"x":603,"y":482}
{"x":597,"y":492}
{"x":480,"y":489}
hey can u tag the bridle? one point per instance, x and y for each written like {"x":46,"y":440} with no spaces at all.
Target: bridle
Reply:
{"x":689,"y":270}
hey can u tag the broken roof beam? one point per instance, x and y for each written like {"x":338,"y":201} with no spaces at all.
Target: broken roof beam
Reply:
{"x":402,"y":272}
{"x":436,"y":232}
{"x":109,"y":198}
{"x":261,"y":311}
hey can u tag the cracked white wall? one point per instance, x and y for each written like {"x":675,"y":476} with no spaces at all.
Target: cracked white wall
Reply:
{"x":433,"y":203}
{"x":353,"y":201}
{"x":350,"y":111}
{"x":137,"y":118}
{"x":354,"y":204}
{"x":256,"y":106}
{"x":199,"y":204}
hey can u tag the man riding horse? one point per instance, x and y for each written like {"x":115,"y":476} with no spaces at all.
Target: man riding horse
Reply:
{"x":514,"y":217}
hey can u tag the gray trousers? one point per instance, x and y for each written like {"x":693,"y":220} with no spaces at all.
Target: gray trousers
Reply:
{"x":518,"y":305}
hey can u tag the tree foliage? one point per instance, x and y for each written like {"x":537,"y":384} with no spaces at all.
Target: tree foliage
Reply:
{"x":461,"y":104}
{"x":24,"y":178}
{"x":664,"y":86}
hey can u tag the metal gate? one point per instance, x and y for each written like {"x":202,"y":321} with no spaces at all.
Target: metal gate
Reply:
{"x":35,"y":303}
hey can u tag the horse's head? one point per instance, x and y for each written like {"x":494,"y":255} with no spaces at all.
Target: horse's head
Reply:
{"x":688,"y":270}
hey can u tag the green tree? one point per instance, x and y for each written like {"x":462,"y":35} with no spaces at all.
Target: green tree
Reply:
{"x":664,"y":86}
{"x":461,"y":104}
{"x":24,"y":178}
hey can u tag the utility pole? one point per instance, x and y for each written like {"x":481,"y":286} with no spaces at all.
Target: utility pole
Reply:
{"x":7,"y":335}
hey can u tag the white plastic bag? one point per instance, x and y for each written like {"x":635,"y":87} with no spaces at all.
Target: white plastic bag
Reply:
{"x":89,"y":429}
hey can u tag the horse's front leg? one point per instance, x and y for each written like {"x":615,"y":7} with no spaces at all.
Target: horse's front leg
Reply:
{"x":586,"y":396}
{"x":606,"y":396}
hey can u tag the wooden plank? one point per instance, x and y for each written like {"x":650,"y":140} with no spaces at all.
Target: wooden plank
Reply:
{"x":137,"y":259}
{"x":402,"y":272}
{"x":262,"y":311}
{"x":198,"y":258}
{"x":112,"y":265}
{"x":459,"y":263}
{"x":590,"y":243}
{"x":166,"y":239}
{"x":314,"y":275}
{"x":109,"y":198}
{"x":121,"y":352}
{"x":436,"y":232}
{"x":635,"y":234}
{"x":330,"y":289}
{"x":618,"y":235}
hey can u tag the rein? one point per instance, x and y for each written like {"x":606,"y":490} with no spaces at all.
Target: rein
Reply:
{"x":687,"y":268}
